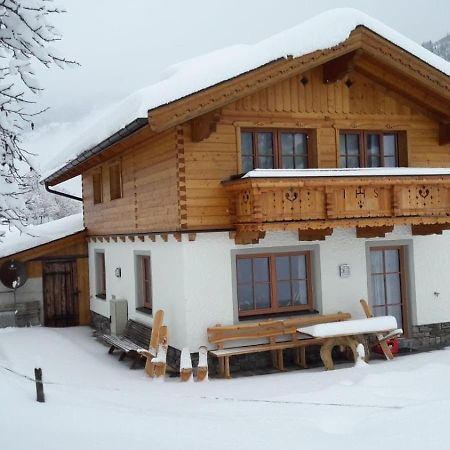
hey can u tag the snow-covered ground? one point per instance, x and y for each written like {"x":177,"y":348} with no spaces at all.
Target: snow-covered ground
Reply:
{"x":96,"y":402}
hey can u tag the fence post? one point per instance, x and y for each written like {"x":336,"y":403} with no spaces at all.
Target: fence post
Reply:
{"x":39,"y":385}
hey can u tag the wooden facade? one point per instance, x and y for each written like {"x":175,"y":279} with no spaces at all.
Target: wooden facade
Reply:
{"x":173,"y":170}
{"x":260,"y":204}
{"x":48,"y":261}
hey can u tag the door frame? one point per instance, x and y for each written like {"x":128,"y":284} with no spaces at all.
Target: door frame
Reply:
{"x":62,"y":260}
{"x":407,"y":277}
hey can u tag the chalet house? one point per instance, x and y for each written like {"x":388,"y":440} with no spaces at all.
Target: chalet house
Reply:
{"x":294,"y":176}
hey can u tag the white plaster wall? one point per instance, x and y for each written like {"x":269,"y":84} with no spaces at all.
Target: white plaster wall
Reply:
{"x":432,"y":274}
{"x":208,"y":277}
{"x":167,"y":281}
{"x":192,"y":281}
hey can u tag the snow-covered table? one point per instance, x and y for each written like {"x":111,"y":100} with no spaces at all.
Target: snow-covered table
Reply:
{"x":349,"y":333}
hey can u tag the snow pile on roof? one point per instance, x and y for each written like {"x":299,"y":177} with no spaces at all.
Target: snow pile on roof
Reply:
{"x":347,"y":327}
{"x":344,"y":172}
{"x":15,"y":241}
{"x":323,"y":31}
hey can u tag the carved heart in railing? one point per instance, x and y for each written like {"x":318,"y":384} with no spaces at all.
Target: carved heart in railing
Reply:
{"x":246,"y":197}
{"x":291,"y":195}
{"x":424,"y":192}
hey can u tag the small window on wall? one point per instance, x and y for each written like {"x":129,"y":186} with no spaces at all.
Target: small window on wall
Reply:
{"x":97,"y":187}
{"x":273,"y":283}
{"x":369,"y":149}
{"x":115,"y":181}
{"x":274,"y":149}
{"x":144,"y":282}
{"x":100,"y":275}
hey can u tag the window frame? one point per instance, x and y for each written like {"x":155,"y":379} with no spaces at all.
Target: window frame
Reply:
{"x":274,"y":308}
{"x":100,"y":274}
{"x":111,"y":167}
{"x":143,"y":303}
{"x":276,"y":145}
{"x":363,"y":150}
{"x":97,"y":187}
{"x":402,"y":249}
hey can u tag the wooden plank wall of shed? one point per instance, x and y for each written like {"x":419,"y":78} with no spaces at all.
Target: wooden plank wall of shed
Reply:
{"x":293,"y":104}
{"x":71,"y":246}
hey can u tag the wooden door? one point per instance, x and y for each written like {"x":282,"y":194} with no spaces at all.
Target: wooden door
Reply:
{"x":60,"y":294}
{"x":388,"y":286}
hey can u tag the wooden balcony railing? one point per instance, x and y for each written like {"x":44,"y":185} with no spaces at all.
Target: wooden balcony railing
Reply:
{"x":316,"y":204}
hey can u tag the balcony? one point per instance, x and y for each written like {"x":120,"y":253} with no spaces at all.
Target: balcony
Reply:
{"x":315,"y":201}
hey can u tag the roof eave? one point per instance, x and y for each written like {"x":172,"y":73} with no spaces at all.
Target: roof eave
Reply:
{"x":124,"y":132}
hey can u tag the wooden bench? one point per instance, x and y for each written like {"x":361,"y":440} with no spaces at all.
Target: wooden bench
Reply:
{"x":135,"y":339}
{"x":276,"y":336}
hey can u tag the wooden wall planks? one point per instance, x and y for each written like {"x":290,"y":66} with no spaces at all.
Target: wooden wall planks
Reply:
{"x":150,"y":196}
{"x":296,"y":104}
{"x":172,"y":183}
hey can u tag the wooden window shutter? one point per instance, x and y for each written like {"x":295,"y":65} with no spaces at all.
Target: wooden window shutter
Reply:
{"x":97,"y":187}
{"x":115,"y":181}
{"x":402,"y":143}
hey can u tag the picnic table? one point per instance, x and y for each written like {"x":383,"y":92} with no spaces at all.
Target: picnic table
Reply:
{"x":350,"y":334}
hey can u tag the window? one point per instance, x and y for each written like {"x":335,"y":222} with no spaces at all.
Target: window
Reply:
{"x":97,"y":187}
{"x":368,"y":149}
{"x":115,"y":181}
{"x":273,"y":149}
{"x":100,"y":275}
{"x":388,"y":283}
{"x":273,"y":283}
{"x":144,"y":282}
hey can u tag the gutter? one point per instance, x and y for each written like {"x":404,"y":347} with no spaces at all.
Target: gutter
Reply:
{"x":62,"y":194}
{"x":129,"y":129}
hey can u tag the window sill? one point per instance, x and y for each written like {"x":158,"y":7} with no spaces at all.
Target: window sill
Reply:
{"x":279,"y":314}
{"x":144,"y":310}
{"x":101,"y":296}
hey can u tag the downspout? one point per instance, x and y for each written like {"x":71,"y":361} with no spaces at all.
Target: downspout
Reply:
{"x":62,"y":194}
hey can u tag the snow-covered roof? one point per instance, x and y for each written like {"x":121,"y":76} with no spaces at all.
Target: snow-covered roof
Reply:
{"x":15,"y":241}
{"x":321,"y":32}
{"x":362,"y":172}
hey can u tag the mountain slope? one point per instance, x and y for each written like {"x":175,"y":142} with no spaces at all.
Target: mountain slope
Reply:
{"x":440,"y":47}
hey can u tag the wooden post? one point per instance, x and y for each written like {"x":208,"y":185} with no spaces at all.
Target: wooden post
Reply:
{"x":185,"y":365}
{"x":202,"y":368}
{"x":39,"y":385}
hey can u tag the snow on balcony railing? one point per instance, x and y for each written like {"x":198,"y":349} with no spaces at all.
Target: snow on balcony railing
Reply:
{"x":360,"y":172}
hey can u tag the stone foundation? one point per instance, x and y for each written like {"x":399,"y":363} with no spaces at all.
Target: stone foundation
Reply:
{"x":100,"y":324}
{"x":425,"y":337}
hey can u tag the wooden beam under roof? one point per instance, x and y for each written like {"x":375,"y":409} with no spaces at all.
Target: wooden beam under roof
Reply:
{"x":314,"y":234}
{"x":426,"y":229}
{"x":338,"y":68}
{"x":444,"y":133}
{"x":247,"y":237}
{"x":372,"y":232}
{"x":202,"y":127}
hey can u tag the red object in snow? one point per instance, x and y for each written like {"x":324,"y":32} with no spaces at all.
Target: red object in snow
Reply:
{"x":392,"y":344}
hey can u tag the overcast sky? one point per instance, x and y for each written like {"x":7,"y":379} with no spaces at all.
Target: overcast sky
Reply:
{"x":123,"y":45}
